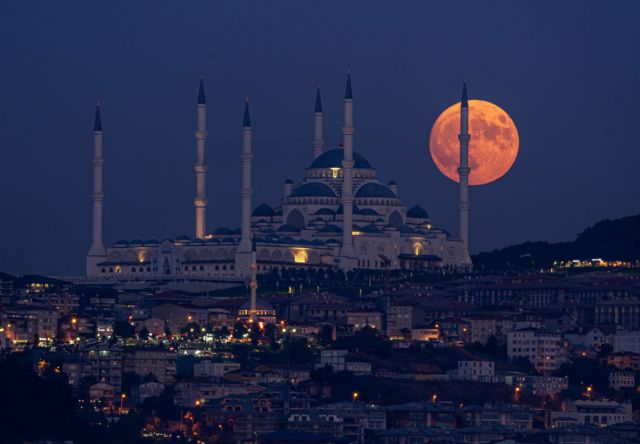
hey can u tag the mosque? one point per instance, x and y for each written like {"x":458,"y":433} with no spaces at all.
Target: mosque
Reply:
{"x":341,"y":215}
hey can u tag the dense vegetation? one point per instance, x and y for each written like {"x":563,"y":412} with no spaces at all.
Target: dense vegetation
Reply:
{"x":617,"y":239}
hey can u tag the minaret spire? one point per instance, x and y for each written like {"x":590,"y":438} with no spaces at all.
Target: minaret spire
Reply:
{"x":463,"y":172}
{"x":200,"y":167}
{"x":243,"y":252}
{"x":347,"y":255}
{"x":318,"y":141}
{"x":253,"y":284}
{"x":97,"y":251}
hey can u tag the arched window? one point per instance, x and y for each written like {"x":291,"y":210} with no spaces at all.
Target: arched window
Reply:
{"x":395,"y":220}
{"x":296,"y":219}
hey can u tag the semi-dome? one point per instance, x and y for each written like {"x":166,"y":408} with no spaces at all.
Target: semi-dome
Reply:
{"x":333,"y":159}
{"x":368,"y":212}
{"x":313,"y":189}
{"x":288,"y":228}
{"x":330,"y":229}
{"x":222,"y":231}
{"x":373,"y":189}
{"x":324,"y":212}
{"x":406,"y":229}
{"x":417,"y":212}
{"x":263,"y":210}
{"x":355,"y":209}
{"x":370,"y":229}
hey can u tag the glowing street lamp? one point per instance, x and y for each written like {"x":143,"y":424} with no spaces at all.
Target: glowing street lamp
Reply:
{"x":355,"y":396}
{"x":434,"y":398}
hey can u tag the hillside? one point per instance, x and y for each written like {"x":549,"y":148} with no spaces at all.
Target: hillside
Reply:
{"x":617,"y":239}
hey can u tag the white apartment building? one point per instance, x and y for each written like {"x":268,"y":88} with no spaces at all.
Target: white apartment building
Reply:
{"x":483,"y":371}
{"x":546,"y":351}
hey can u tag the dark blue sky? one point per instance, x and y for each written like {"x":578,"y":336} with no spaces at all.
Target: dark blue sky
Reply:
{"x":565,"y":71}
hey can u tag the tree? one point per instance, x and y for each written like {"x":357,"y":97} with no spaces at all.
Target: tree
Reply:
{"x":587,"y":372}
{"x":298,"y":351}
{"x":239,"y":329}
{"x":325,"y":336}
{"x":123,"y":329}
{"x":144,"y":333}
{"x":34,"y":406}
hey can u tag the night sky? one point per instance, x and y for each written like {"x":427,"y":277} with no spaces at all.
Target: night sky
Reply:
{"x":567,"y":73}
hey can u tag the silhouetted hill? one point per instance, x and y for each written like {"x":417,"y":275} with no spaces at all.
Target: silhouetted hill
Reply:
{"x":608,"y":239}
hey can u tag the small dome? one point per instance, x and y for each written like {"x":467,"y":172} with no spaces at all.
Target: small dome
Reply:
{"x":405,"y":229}
{"x":288,"y":228}
{"x":333,"y":159}
{"x":222,"y":231}
{"x":324,"y":212}
{"x":122,"y":243}
{"x":392,"y":182}
{"x":368,"y":212}
{"x":417,"y":212}
{"x":356,"y":210}
{"x":151,"y":242}
{"x":263,"y":210}
{"x":313,"y":189}
{"x":371,"y":229}
{"x":182,"y":238}
{"x":288,"y":181}
{"x":373,"y":189}
{"x":330,"y":229}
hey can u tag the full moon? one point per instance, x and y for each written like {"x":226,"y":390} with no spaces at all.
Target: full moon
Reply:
{"x":493,"y":147}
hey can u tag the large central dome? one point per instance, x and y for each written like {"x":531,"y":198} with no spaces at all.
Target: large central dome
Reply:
{"x":333,"y":159}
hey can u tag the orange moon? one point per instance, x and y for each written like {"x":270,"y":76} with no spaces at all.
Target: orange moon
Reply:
{"x":493,"y":147}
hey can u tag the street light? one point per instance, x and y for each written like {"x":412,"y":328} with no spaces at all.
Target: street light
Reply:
{"x":122,"y":398}
{"x":434,"y":398}
{"x":355,"y":396}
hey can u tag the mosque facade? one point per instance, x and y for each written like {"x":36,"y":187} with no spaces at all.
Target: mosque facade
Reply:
{"x":341,"y":215}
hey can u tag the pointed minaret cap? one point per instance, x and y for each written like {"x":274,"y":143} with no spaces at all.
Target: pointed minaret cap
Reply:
{"x":464,"y":101}
{"x":348,"y":94}
{"x":97,"y":123}
{"x":318,"y":108}
{"x":246,"y":121}
{"x":202,"y":100}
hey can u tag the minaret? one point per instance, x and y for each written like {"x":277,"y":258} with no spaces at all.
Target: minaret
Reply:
{"x":463,"y":172}
{"x":200,"y":167}
{"x":243,"y":253}
{"x":347,"y":258}
{"x":253,"y":285}
{"x":318,"y":141}
{"x":96,"y":252}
